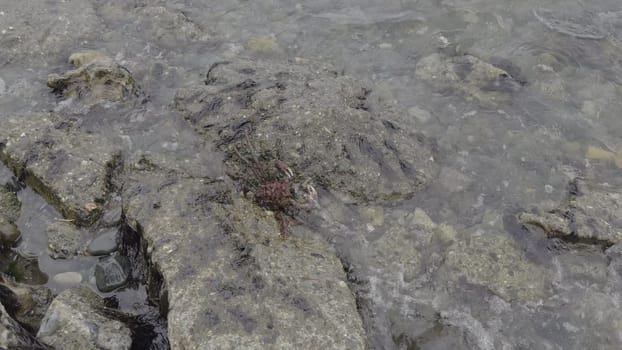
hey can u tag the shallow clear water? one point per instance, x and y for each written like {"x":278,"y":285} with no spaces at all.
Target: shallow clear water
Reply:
{"x":494,"y":157}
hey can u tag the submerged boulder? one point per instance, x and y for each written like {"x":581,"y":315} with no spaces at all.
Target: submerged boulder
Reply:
{"x":476,"y":79}
{"x":590,"y":214}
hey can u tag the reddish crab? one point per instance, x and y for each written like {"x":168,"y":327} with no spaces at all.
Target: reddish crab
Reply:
{"x":276,"y":189}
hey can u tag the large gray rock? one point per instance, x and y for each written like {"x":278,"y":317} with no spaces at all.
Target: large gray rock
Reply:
{"x":590,"y":214}
{"x":317,"y":121}
{"x":27,"y":304}
{"x":231,"y":282}
{"x":77,"y":319}
{"x":69,"y":168}
{"x":15,"y":337}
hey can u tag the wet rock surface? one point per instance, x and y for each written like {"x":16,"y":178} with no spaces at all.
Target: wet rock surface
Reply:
{"x":417,"y":274}
{"x":316,"y":121}
{"x":590,"y":214}
{"x":253,"y":289}
{"x":69,"y":168}
{"x":77,"y":319}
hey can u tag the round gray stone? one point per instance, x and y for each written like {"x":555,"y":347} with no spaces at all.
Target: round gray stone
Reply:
{"x":68,"y":279}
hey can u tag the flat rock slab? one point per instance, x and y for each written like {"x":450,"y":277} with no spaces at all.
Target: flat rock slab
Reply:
{"x":317,"y":121}
{"x":231,"y":282}
{"x":69,"y":168}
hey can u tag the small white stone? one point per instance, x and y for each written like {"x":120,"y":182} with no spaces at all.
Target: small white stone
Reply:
{"x":68,"y":278}
{"x":548,"y":189}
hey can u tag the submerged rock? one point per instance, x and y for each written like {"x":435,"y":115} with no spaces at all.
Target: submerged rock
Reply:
{"x":63,"y":240}
{"x":111,"y":273}
{"x":104,"y":243}
{"x":590,"y":214}
{"x":10,"y":208}
{"x":77,"y":319}
{"x":25,"y":303}
{"x":478,"y":80}
{"x":167,"y":27}
{"x":492,"y":259}
{"x":9,"y":233}
{"x":95,"y":79}
{"x":317,"y":121}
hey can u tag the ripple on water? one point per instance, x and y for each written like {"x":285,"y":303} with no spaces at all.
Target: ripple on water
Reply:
{"x":585,"y":26}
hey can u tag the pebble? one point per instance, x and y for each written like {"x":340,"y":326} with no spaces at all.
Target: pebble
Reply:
{"x":67,"y":279}
{"x":548,"y":189}
{"x":423,"y":221}
{"x":420,"y":114}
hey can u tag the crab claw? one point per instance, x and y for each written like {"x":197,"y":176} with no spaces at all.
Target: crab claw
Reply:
{"x":279,"y":164}
{"x":311,"y":193}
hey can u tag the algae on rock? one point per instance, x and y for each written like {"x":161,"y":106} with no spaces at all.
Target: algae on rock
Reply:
{"x":315,"y":120}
